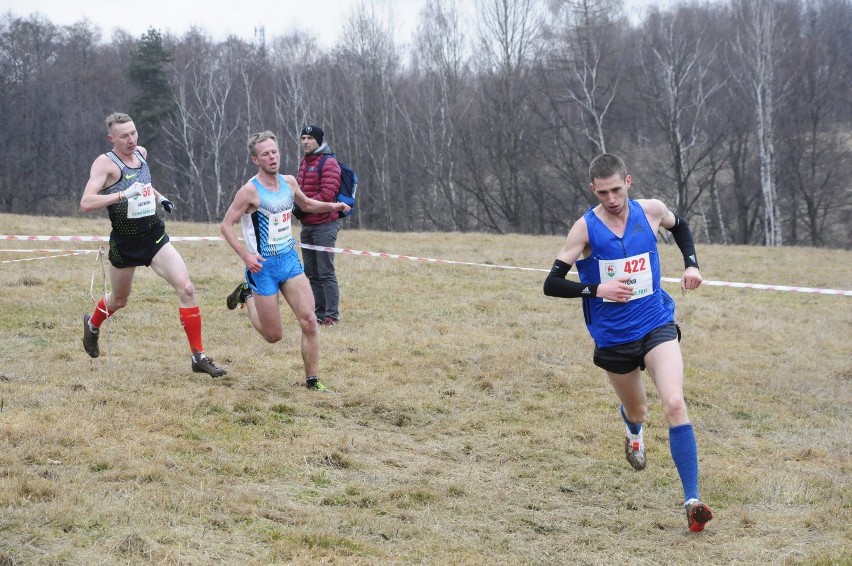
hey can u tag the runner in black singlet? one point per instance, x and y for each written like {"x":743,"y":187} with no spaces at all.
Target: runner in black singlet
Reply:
{"x":120,"y":181}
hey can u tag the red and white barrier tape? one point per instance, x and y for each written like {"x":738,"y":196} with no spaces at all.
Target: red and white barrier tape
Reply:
{"x":669,"y":279}
{"x":763,"y":287}
{"x":412,"y":258}
{"x":100,"y":238}
{"x":759,"y":286}
{"x":45,"y":251}
{"x":70,"y":253}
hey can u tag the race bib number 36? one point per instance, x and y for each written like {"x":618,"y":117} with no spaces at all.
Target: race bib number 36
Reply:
{"x":636,"y":268}
{"x":280,"y":231}
{"x":143,"y":205}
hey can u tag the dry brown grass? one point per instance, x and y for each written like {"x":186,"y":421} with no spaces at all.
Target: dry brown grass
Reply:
{"x":467,"y":423}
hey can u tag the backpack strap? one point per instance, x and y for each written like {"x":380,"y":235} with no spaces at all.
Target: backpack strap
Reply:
{"x":322,"y":161}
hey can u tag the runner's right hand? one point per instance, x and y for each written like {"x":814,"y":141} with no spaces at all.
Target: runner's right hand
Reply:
{"x":133,"y":191}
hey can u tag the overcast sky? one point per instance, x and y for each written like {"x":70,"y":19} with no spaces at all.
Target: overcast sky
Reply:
{"x":221,"y":18}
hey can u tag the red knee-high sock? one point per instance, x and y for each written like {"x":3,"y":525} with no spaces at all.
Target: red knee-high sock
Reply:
{"x":101,"y":314}
{"x":190,"y":319}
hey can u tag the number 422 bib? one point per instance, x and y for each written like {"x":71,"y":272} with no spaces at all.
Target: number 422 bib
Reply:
{"x":636,"y":268}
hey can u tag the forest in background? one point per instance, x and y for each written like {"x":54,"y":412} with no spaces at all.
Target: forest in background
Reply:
{"x":737,"y":114}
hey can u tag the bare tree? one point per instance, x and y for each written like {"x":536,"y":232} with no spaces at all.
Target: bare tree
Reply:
{"x":739,"y":154}
{"x":55,"y":82}
{"x":578,"y":80}
{"x":756,"y":46}
{"x":436,"y":109}
{"x":499,"y":156}
{"x":366,"y":69}
{"x":815,"y":159}
{"x":678,"y":61}
{"x":716,"y":227}
{"x":585,"y":46}
{"x":297,"y":75}
{"x":205,"y":120}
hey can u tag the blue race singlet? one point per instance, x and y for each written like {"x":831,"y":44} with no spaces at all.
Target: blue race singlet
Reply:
{"x":268,"y":230}
{"x":635,"y":256}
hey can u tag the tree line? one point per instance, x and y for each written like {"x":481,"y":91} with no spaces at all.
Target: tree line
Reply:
{"x":736,"y":114}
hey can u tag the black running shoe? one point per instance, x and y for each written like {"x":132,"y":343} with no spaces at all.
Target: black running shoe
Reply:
{"x":315,"y":384}
{"x":238,"y":296}
{"x":90,"y":339}
{"x":202,"y":364}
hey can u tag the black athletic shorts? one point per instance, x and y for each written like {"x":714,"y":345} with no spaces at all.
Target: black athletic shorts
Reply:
{"x":624,"y":358}
{"x":135,"y":252}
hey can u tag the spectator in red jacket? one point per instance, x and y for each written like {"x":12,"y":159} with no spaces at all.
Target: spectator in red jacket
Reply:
{"x":319,"y":179}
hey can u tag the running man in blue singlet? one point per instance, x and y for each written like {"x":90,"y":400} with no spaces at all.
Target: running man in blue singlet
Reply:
{"x":120,"y":181}
{"x":264,"y":207}
{"x":629,"y":315}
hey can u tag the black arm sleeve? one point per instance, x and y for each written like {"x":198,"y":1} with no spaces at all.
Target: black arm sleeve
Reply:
{"x":557,"y":286}
{"x":683,"y":238}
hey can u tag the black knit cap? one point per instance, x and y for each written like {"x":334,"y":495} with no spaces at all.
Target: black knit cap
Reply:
{"x":313,"y":131}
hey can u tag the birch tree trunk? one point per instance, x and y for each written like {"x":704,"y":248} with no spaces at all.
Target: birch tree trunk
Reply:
{"x":755,"y":45}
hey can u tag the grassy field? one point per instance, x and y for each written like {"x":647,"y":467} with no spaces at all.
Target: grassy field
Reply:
{"x":467,"y":423}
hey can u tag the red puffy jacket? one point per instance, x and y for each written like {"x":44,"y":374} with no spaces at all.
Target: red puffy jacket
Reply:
{"x":324,"y":189}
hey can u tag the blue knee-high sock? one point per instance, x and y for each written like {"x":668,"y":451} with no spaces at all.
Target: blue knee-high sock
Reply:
{"x":685,"y":455}
{"x":633,"y":427}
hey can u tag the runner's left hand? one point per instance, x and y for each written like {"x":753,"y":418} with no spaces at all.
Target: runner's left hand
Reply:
{"x":691,"y":279}
{"x":167,"y":205}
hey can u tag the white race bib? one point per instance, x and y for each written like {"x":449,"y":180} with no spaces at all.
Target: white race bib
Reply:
{"x":637,"y":268}
{"x":143,"y":205}
{"x":280,"y":231}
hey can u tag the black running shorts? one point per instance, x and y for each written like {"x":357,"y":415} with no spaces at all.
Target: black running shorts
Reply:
{"x":626,"y":357}
{"x":135,"y":252}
